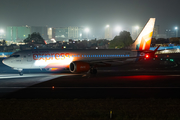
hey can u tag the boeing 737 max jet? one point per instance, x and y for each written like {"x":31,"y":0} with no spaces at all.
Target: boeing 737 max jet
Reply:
{"x":79,"y":61}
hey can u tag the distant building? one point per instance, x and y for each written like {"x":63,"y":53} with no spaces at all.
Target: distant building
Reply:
{"x":156,"y":31}
{"x":170,"y":33}
{"x":2,"y":34}
{"x":19,"y":33}
{"x":15,"y":33}
{"x":161,"y":36}
{"x":61,"y":33}
{"x":51,"y":33}
{"x":108,"y":33}
{"x":42,"y":30}
{"x":76,"y":33}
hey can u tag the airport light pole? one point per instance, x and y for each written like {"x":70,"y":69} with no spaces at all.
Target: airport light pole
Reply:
{"x":87,"y":32}
{"x":118,"y":29}
{"x":176,"y":28}
{"x":137,"y":29}
{"x":80,"y":36}
{"x":1,"y":32}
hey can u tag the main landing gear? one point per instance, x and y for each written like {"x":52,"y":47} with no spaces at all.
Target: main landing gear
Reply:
{"x":92,"y":71}
{"x":19,"y":70}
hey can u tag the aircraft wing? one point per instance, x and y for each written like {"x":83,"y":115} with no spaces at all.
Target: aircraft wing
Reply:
{"x":109,"y":62}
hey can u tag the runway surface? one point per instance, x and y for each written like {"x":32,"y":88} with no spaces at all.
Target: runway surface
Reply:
{"x":116,"y":82}
{"x":106,"y":84}
{"x":12,"y":82}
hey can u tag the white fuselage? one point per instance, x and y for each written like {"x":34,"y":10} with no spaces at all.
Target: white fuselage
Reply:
{"x":59,"y":58}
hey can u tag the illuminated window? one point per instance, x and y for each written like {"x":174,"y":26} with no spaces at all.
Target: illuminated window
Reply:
{"x":78,"y":56}
{"x":95,"y":55}
{"x":99,"y":55}
{"x":91,"y":55}
{"x":72,"y":55}
{"x":82,"y":55}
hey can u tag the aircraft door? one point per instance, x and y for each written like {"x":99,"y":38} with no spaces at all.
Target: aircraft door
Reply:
{"x":29,"y":58}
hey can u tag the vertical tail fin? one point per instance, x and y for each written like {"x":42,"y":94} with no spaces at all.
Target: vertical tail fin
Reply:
{"x":143,"y":41}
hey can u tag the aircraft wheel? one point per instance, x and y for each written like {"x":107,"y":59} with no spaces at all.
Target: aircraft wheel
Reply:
{"x":93,"y":71}
{"x":21,"y":73}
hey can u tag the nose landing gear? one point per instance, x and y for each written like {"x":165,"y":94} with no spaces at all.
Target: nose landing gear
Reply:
{"x":20,"y":72}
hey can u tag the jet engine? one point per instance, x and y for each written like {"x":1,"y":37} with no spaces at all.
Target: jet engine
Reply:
{"x":79,"y":67}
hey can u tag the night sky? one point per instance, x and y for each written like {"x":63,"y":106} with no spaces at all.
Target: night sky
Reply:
{"x":95,"y":14}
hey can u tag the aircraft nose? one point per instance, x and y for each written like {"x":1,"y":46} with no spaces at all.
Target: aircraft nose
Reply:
{"x":5,"y":61}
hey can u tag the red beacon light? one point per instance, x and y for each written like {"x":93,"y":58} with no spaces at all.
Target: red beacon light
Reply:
{"x":147,"y":56}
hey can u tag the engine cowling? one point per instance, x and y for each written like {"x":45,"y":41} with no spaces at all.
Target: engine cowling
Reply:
{"x":79,"y":67}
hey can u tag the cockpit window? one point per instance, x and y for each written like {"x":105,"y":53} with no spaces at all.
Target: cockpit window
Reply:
{"x":15,"y":56}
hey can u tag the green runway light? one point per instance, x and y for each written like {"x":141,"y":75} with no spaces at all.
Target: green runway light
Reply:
{"x":172,"y":60}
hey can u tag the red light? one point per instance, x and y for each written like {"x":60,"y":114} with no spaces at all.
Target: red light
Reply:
{"x":147,"y":56}
{"x":156,"y":55}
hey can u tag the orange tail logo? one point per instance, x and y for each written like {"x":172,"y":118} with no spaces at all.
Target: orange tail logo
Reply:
{"x":143,"y":41}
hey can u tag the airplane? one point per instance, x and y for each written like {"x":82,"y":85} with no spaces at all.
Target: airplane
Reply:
{"x":86,"y":60}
